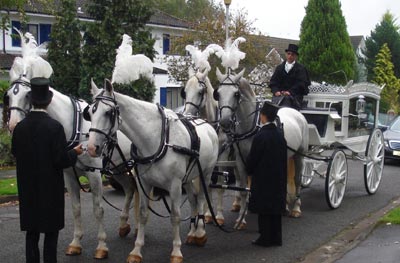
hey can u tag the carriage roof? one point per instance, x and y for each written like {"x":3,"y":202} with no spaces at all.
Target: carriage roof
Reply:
{"x":321,"y":90}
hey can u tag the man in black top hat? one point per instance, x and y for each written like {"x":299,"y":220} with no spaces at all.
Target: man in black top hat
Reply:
{"x":290,"y":81}
{"x":39,"y":146}
{"x":267,"y":166}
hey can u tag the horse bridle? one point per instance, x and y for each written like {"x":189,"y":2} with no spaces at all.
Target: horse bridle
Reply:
{"x":15,"y":89}
{"x":237,"y":96}
{"x":111,"y":136}
{"x":201,"y":92}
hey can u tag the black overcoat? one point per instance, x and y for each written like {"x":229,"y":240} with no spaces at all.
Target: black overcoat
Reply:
{"x":267,"y":166}
{"x":39,"y":145}
{"x":296,"y":81}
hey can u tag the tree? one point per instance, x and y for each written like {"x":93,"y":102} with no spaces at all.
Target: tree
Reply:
{"x":384,"y":75}
{"x":64,"y":52}
{"x":325,"y":47}
{"x":19,"y":5}
{"x":103,"y":36}
{"x":211,"y":29}
{"x":191,"y":10}
{"x":385,"y":32}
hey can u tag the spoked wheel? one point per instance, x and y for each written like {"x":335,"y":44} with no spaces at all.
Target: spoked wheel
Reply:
{"x":307,"y":175}
{"x":336,"y":179}
{"x":375,"y":155}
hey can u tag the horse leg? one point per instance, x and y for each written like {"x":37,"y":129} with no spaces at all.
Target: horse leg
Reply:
{"x":128,"y":185}
{"x":135,"y":256}
{"x":241,"y":182}
{"x":75,"y":247}
{"x":190,"y":239}
{"x":296,"y":211}
{"x":176,"y":196}
{"x":220,"y":207}
{"x":236,"y":206}
{"x":292,"y":191}
{"x":207,"y":215}
{"x":96,"y":187}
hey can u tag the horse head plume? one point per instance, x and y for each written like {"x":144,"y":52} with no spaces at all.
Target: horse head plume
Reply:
{"x":200,"y":58}
{"x":231,"y":55}
{"x":31,"y":64}
{"x":129,"y":67}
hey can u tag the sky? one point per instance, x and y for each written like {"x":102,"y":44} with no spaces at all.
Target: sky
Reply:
{"x":282,"y":18}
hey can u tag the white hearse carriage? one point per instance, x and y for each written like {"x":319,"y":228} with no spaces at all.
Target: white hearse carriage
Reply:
{"x":343,"y":124}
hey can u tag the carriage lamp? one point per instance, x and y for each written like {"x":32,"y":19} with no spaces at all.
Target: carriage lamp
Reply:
{"x":360,"y":105}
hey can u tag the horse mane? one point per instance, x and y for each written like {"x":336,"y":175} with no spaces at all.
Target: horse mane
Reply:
{"x":245,"y":89}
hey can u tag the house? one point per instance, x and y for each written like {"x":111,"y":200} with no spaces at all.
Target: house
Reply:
{"x":162,"y":26}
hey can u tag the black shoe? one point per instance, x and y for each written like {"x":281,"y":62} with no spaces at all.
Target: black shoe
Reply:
{"x":259,"y":242}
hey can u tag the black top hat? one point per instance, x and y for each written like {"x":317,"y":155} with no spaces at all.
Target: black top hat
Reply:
{"x":292,"y":48}
{"x":40,"y":93}
{"x":270,"y":110}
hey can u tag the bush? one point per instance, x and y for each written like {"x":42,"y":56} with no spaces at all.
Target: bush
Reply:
{"x":6,"y":158}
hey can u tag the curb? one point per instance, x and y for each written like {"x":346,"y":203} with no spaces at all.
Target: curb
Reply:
{"x":348,"y":238}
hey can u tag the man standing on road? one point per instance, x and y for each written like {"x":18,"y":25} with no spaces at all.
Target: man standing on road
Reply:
{"x":290,"y":81}
{"x":39,"y":146}
{"x":267,"y":166}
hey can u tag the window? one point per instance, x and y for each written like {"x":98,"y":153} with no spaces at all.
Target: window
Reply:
{"x":361,"y":123}
{"x":170,"y":97}
{"x":41,"y":32}
{"x":166,"y":43}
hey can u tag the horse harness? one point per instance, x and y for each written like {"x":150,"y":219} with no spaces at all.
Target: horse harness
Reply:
{"x":15,"y":88}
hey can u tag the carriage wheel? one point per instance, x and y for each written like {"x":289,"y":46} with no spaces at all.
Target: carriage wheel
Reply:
{"x":375,"y":155}
{"x":336,"y":179}
{"x":307,"y":175}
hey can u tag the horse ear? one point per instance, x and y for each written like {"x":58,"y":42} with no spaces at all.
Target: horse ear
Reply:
{"x":108,"y":86}
{"x":191,"y":72}
{"x":219,"y":75}
{"x":239,"y":75}
{"x":202,"y":75}
{"x":94,"y":90}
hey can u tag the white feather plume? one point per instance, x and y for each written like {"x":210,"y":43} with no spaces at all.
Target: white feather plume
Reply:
{"x":31,"y":64}
{"x":231,"y":55}
{"x":200,"y":58}
{"x":128,"y":67}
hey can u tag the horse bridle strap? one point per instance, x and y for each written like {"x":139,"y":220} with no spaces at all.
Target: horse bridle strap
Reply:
{"x":163,"y":147}
{"x":197,"y":106}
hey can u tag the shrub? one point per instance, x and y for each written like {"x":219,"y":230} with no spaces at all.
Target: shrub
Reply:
{"x":6,"y":158}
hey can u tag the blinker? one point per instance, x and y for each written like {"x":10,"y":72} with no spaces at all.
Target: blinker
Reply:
{"x":86,"y":115}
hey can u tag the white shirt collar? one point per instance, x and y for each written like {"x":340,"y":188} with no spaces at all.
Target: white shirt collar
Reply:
{"x":39,"y":110}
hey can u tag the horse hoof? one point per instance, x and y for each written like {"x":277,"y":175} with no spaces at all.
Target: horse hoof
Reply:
{"x":295,"y":214}
{"x":101,"y":254}
{"x":190,"y":240}
{"x":134,"y":259}
{"x":201,"y":241}
{"x":73,"y":250}
{"x":208,"y":219}
{"x":124,"y":231}
{"x":176,"y":259}
{"x":235,"y":208}
{"x":220,"y":221}
{"x":242,"y":226}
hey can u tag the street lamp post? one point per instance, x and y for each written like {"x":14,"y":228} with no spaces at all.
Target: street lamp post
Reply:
{"x":227,"y":4}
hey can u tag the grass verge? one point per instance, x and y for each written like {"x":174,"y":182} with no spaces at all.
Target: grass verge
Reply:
{"x":392,"y":217}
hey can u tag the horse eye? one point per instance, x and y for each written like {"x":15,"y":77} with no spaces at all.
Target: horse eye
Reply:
{"x":237,"y":94}
{"x":201,"y":92}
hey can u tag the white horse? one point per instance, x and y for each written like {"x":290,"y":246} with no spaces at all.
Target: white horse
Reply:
{"x":61,"y":108}
{"x":199,"y":101}
{"x":238,"y":108}
{"x":162,"y":161}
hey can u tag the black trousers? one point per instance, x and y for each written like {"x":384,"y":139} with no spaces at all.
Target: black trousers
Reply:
{"x":49,"y":247}
{"x":270,"y":229}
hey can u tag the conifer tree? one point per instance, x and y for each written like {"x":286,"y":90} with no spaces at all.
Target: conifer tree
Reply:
{"x":384,"y":75}
{"x":103,"y":36}
{"x":385,"y":32}
{"x":64,"y":49}
{"x":325,"y":48}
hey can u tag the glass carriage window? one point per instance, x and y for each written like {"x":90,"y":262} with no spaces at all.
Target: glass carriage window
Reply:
{"x":361,"y":123}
